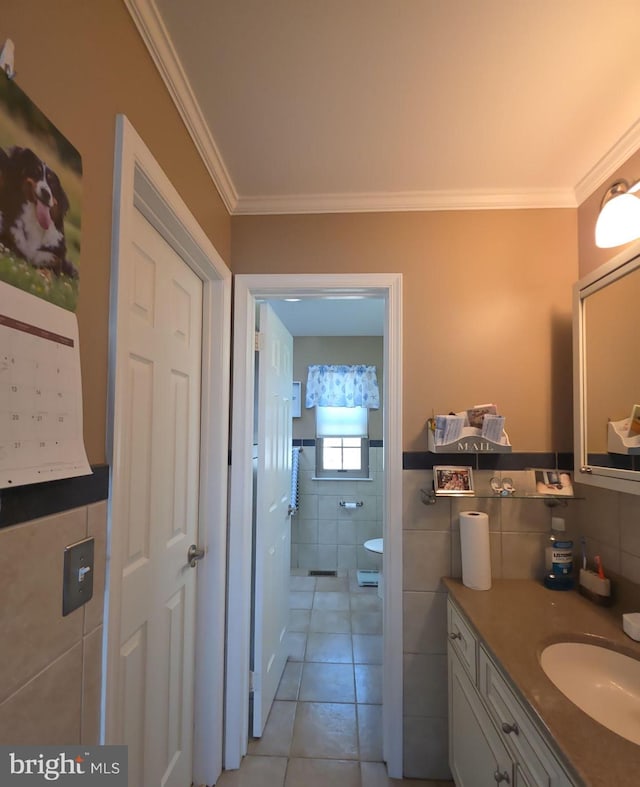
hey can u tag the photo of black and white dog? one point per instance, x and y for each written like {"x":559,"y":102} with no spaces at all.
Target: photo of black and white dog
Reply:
{"x":33,"y":205}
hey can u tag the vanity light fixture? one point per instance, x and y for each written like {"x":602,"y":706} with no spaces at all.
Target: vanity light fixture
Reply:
{"x":619,"y":218}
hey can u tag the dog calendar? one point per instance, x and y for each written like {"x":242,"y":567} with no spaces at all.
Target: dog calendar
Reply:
{"x":40,"y":391}
{"x":40,"y":228}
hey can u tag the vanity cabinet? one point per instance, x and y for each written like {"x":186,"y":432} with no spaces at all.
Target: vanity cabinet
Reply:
{"x":491,"y":736}
{"x":477,"y":756}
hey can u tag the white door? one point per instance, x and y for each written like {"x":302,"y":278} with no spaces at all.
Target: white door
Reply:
{"x":167,"y":447}
{"x":272,"y":520}
{"x":160,"y":452}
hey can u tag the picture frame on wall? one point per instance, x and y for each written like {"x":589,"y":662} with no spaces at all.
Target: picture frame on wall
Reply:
{"x":453,"y":480}
{"x":553,"y":482}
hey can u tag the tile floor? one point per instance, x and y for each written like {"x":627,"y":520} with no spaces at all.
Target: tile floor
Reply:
{"x":325,"y":726}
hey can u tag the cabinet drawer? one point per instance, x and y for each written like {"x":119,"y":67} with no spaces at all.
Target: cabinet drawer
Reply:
{"x":462,"y":640}
{"x":538,"y":764}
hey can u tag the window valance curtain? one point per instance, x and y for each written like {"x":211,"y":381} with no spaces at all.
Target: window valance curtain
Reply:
{"x":342,"y":386}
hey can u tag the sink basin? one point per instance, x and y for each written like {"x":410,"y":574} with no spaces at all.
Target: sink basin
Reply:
{"x":603,"y":683}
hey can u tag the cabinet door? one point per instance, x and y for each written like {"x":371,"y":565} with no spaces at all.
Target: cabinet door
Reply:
{"x":522,"y":779}
{"x":537,"y":766}
{"x":477,"y":756}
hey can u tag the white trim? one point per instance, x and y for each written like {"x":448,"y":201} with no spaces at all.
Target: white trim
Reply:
{"x":393,"y":665}
{"x":240,"y":518}
{"x":247,"y":288}
{"x":154,"y":34}
{"x":624,"y":148}
{"x":139,"y":180}
{"x":406,"y":201}
{"x":149,"y":22}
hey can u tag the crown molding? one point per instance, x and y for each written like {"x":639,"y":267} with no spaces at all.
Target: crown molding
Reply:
{"x":154,"y":34}
{"x":405,"y":201}
{"x":624,"y":148}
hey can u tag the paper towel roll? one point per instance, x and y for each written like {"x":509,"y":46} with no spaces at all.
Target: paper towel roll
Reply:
{"x":476,"y":552}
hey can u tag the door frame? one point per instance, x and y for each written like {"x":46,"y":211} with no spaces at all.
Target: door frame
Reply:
{"x":139,"y":181}
{"x":247,"y":288}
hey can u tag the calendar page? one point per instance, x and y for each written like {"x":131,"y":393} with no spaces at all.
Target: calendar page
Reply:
{"x":40,"y":391}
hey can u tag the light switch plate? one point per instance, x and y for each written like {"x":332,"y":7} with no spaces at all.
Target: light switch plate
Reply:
{"x":77,"y":583}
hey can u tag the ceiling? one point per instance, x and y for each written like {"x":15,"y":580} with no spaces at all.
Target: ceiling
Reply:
{"x":354,"y":105}
{"x":346,"y":316}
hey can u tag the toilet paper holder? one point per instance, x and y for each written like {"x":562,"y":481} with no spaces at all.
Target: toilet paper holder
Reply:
{"x":354,"y":504}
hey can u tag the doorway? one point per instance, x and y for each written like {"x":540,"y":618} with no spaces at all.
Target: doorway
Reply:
{"x":387,"y":287}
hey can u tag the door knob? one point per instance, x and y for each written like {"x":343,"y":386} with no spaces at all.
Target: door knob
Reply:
{"x":194,"y":554}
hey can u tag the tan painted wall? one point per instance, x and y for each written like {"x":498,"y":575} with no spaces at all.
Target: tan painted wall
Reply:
{"x":82,"y":63}
{"x":487,"y":304}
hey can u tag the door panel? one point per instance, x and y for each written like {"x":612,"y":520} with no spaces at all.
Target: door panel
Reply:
{"x":162,"y":448}
{"x":133,"y":658}
{"x":272,"y":519}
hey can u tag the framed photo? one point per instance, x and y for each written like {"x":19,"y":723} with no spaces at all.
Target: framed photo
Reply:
{"x":452,"y":480}
{"x":553,"y":482}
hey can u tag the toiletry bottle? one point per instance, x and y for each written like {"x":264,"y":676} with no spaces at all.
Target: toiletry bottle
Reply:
{"x":559,"y":558}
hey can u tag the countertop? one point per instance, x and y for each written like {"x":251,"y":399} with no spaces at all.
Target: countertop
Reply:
{"x":515,"y":620}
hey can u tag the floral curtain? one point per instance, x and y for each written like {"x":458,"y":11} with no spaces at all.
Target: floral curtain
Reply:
{"x":342,"y":386}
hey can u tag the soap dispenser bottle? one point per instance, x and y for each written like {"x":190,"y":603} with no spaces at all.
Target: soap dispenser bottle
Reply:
{"x":559,"y":558}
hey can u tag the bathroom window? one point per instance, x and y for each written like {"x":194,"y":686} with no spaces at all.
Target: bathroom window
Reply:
{"x":342,"y":444}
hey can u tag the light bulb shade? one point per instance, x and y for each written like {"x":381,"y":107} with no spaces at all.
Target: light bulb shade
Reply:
{"x":619,"y":218}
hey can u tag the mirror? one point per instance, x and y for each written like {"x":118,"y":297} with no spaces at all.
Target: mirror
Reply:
{"x":607,"y":374}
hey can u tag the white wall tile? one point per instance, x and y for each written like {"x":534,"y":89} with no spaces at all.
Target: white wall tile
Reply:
{"x":426,"y":748}
{"x":427,"y":558}
{"x":525,"y":516}
{"x":425,"y":684}
{"x":308,"y":507}
{"x":424,"y":622}
{"x":347,"y":532}
{"x":347,"y":556}
{"x":630,"y":524}
{"x":308,"y":531}
{"x":327,"y":531}
{"x":308,"y":556}
{"x":630,"y":567}
{"x":36,"y":596}
{"x":327,"y":557}
{"x":523,"y":555}
{"x":600,"y":516}
{"x":328,"y":507}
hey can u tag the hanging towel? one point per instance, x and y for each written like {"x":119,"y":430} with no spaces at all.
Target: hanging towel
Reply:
{"x":295,"y":465}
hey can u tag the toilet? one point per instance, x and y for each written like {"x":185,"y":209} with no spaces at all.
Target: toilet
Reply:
{"x":374,"y":545}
